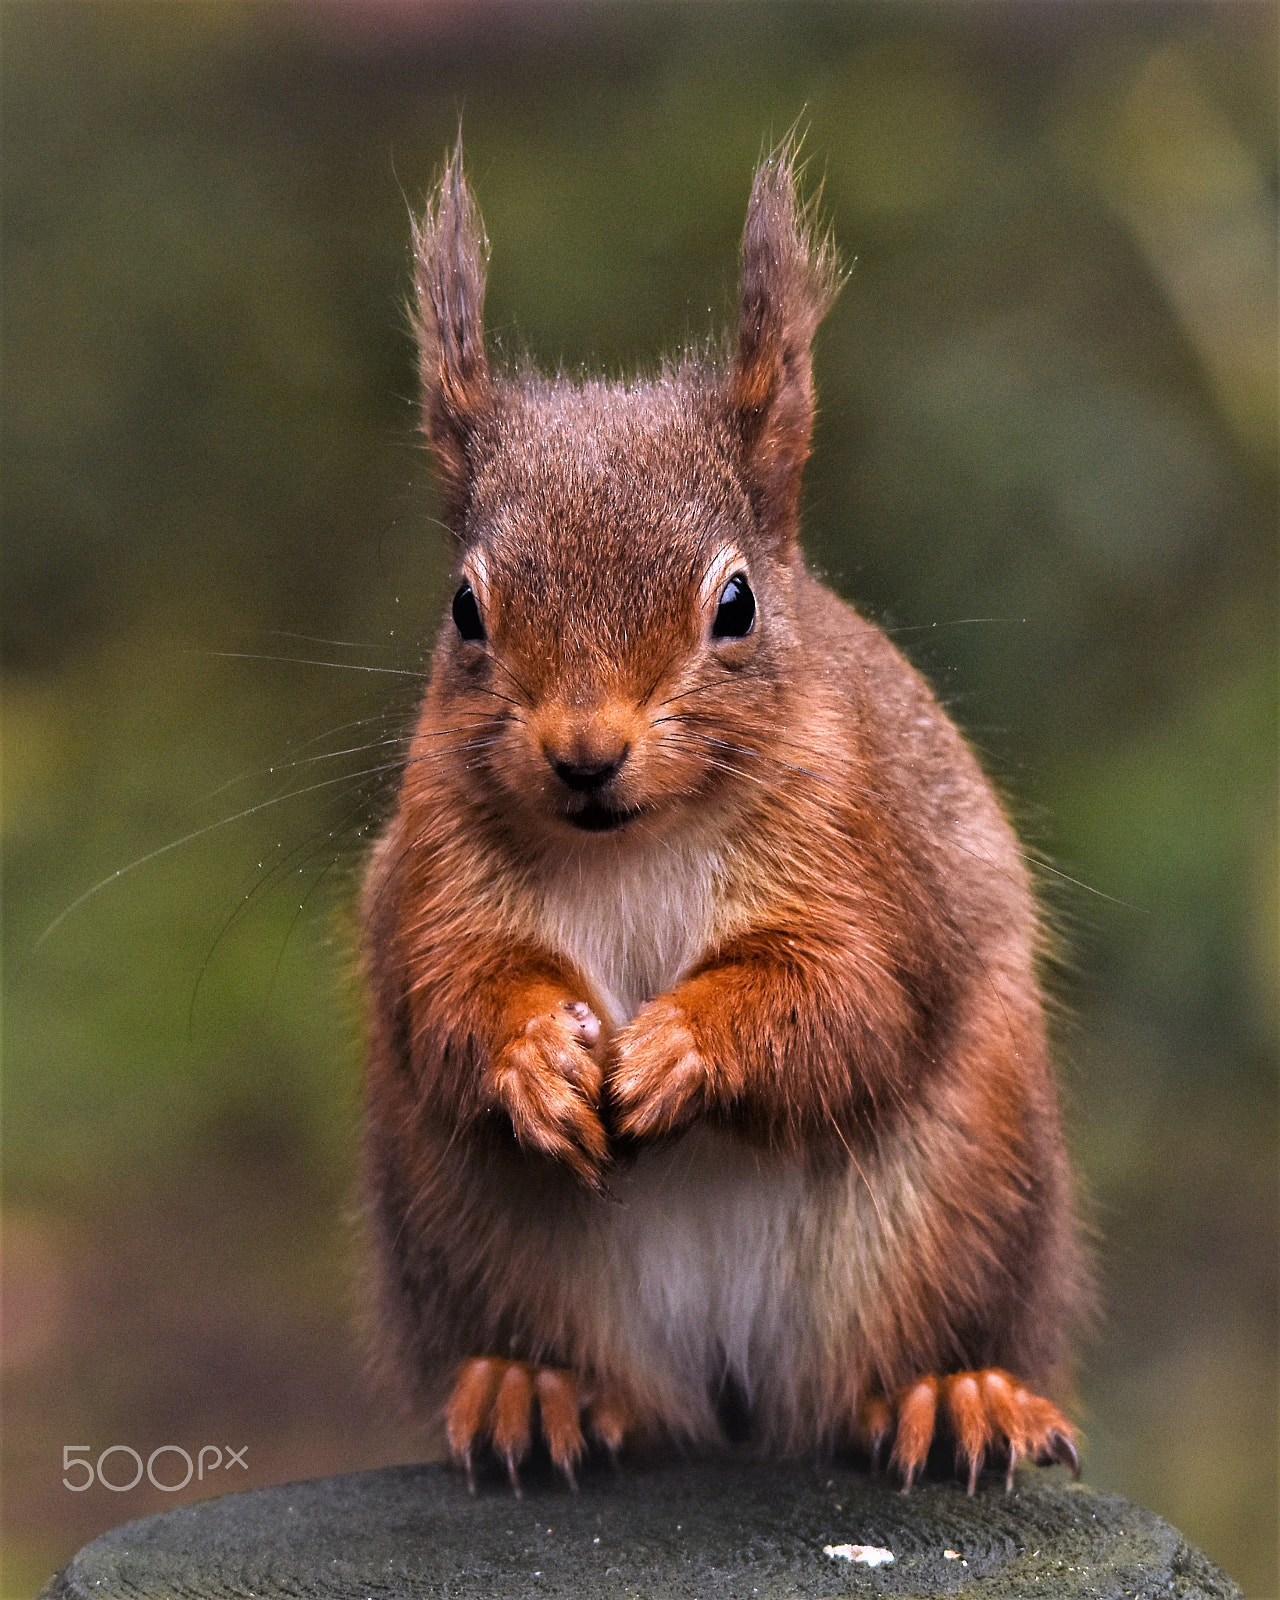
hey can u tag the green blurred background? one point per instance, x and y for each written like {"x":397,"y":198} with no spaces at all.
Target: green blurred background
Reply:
{"x":1045,"y":461}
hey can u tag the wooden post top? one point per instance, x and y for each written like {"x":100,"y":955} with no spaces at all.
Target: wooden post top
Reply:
{"x":697,"y":1530}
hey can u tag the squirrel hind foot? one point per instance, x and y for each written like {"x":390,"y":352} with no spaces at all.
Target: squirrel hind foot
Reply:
{"x":984,"y":1412}
{"x":494,"y":1402}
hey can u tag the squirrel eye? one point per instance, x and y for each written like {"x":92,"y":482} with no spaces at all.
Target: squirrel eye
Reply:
{"x":466,"y":614}
{"x":736,"y":613}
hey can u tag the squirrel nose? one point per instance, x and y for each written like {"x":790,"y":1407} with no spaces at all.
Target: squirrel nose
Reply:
{"x":586,"y":775}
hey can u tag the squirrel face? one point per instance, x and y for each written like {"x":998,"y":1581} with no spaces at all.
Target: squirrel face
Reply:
{"x":620,"y":623}
{"x":622,"y":634}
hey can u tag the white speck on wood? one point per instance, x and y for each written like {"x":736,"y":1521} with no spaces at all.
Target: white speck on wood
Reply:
{"x":870,"y":1555}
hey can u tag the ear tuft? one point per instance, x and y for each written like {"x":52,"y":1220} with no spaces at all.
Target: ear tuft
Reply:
{"x":790,"y":278}
{"x":450,"y":254}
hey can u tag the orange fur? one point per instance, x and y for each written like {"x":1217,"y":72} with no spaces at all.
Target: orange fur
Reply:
{"x":706,"y":1044}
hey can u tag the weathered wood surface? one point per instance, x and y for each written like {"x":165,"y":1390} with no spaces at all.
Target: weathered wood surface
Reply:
{"x":699,"y":1531}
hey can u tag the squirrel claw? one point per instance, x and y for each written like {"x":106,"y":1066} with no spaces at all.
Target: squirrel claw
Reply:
{"x":875,"y":1423}
{"x":1061,"y":1449}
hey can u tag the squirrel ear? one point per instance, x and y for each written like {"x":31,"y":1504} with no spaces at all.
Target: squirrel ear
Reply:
{"x":789,"y":280}
{"x":450,"y":253}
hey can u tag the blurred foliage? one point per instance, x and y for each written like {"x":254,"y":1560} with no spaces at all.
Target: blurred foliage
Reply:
{"x":1045,"y":461}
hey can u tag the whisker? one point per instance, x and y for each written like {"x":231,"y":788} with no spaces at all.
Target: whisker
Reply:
{"x":720,"y":765}
{"x":1033,"y":860}
{"x":466,"y":749}
{"x":698,"y":688}
{"x":331,"y":755}
{"x":334,"y":755}
{"x":957,"y":622}
{"x":209,"y":827}
{"x":302,"y":661}
{"x":744,"y":750}
{"x":857,"y":1165}
{"x":529,"y":699}
{"x":250,"y":811}
{"x":658,"y":677}
{"x":1041,"y":865}
{"x":293,"y":921}
{"x":286,"y":861}
{"x":505,"y":698}
{"x":314,"y":845}
{"x":301,"y":744}
{"x":310,"y":638}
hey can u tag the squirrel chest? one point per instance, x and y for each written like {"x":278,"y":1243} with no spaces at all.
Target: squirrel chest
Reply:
{"x":631,"y":922}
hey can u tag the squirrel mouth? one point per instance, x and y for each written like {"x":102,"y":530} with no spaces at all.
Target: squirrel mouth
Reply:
{"x":597,"y":818}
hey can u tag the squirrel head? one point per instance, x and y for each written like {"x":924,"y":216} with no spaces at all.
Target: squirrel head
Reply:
{"x":623,"y":628}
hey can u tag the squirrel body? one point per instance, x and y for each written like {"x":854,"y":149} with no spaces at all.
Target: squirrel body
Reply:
{"x":707,"y":1052}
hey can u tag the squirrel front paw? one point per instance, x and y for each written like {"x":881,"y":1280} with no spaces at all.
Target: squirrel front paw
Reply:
{"x":983,"y":1411}
{"x":658,"y":1080}
{"x":549,"y":1084}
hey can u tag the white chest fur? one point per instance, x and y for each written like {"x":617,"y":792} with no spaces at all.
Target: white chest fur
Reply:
{"x":715,"y":1259}
{"x":632,"y":921}
{"x":707,"y":1231}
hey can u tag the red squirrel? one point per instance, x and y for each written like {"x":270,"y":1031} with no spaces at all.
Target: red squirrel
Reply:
{"x":706,"y":1047}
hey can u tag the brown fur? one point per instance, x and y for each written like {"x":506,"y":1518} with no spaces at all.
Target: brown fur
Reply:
{"x":815,"y":1149}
